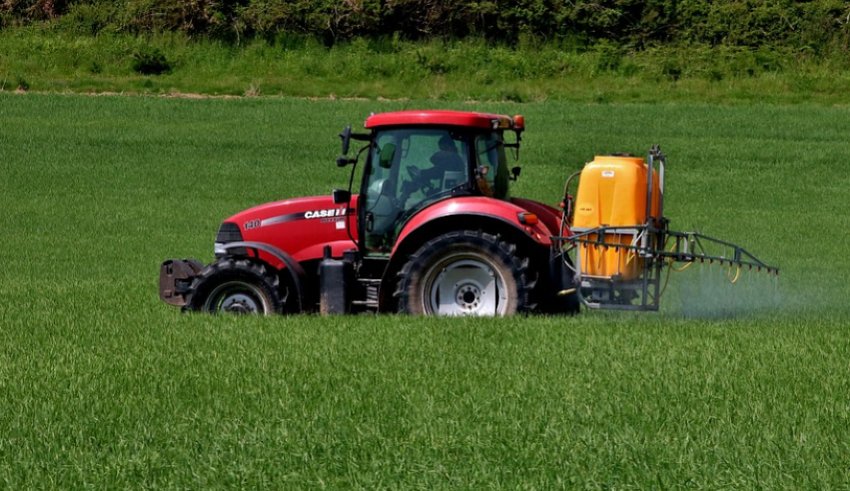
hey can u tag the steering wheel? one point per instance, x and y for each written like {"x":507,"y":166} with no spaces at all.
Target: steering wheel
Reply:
{"x":417,"y":178}
{"x":414,"y":172}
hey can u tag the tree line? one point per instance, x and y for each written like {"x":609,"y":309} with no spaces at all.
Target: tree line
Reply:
{"x":816,"y":25}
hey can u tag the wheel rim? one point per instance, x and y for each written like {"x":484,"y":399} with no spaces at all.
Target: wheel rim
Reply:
{"x":236,"y":297}
{"x":464,"y":285}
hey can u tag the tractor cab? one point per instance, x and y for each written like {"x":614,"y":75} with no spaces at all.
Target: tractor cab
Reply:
{"x":417,"y":158}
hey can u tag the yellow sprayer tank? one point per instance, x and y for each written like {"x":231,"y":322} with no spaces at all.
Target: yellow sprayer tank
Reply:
{"x":612,"y":192}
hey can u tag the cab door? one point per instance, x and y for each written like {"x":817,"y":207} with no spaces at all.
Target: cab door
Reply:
{"x":408,"y":169}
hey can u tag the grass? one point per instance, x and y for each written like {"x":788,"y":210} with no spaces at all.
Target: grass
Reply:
{"x":42,"y":60}
{"x":102,"y":385}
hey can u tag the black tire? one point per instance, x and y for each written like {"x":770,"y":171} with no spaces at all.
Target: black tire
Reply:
{"x":238,"y":286}
{"x":457,"y":265}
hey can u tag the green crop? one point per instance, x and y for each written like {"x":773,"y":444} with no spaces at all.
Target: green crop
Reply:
{"x":104,"y":386}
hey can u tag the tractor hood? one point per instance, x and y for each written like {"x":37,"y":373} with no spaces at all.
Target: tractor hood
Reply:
{"x":300,"y":227}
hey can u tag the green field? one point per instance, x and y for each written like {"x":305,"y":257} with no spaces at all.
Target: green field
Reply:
{"x":103,"y":386}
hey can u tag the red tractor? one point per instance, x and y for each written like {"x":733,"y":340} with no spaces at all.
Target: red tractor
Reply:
{"x":434,"y":230}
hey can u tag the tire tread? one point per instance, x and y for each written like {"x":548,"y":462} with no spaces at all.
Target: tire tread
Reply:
{"x":228,"y":268}
{"x":520,"y":266}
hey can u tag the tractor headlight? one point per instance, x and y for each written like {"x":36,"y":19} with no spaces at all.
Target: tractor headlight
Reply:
{"x":228,"y":232}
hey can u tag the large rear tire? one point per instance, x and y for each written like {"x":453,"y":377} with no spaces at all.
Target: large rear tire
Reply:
{"x":465,"y":273}
{"x":236,"y":286}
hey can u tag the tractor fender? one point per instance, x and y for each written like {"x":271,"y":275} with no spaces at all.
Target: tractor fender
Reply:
{"x":548,"y":215}
{"x":490,"y":215}
{"x":293,"y":268}
{"x":474,"y":207}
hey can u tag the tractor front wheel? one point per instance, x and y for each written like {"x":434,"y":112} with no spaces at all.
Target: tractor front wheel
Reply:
{"x":465,"y":273}
{"x":236,"y":286}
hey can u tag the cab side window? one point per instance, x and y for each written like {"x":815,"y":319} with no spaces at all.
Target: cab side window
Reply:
{"x":492,"y":172}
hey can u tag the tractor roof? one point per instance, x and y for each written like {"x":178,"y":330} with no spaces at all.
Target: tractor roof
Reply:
{"x":443,"y":118}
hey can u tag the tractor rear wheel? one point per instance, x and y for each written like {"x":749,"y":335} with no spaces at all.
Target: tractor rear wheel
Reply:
{"x":236,"y":286}
{"x":465,"y":273}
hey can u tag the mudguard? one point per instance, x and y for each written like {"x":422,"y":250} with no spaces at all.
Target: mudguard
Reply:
{"x":293,"y":268}
{"x":469,"y":212}
{"x":472,"y":207}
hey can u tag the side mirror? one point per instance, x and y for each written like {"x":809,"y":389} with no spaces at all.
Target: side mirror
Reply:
{"x":342,"y":161}
{"x":346,"y":139}
{"x":341,"y":196}
{"x":387,"y":155}
{"x":515,"y":173}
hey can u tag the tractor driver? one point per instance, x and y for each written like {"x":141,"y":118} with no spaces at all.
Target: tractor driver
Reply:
{"x":447,"y":159}
{"x":446,"y":163}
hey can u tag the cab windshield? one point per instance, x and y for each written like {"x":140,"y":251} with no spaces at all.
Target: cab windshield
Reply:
{"x":411,"y":168}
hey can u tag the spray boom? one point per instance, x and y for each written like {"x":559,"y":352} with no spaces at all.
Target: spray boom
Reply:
{"x":619,"y":241}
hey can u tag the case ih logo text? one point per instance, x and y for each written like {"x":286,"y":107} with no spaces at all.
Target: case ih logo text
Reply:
{"x":333,"y":212}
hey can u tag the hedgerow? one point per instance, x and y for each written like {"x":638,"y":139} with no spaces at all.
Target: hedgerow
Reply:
{"x":815,"y":26}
